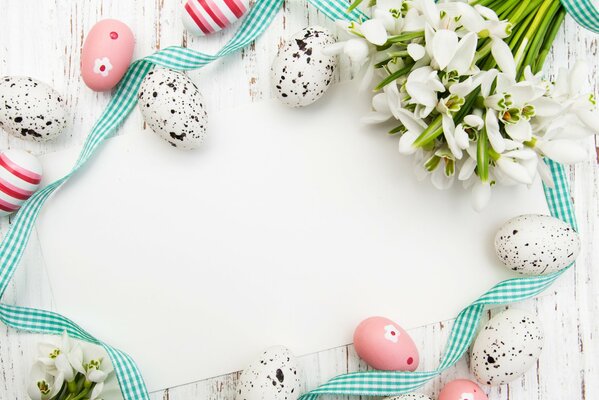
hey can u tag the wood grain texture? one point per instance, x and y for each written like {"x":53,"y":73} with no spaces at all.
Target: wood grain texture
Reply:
{"x":43,"y":39}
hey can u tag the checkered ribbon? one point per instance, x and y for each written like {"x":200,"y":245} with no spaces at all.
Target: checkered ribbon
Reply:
{"x":123,"y":101}
{"x":585,"y":12}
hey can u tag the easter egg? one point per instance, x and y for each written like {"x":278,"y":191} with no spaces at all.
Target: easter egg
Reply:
{"x":384,"y":345}
{"x":409,"y":396}
{"x":106,"y":54}
{"x":506,"y":347}
{"x":20,"y":177}
{"x":203,"y":17}
{"x":537,"y":244}
{"x":30,"y":109}
{"x":462,"y":389}
{"x":272,"y":376}
{"x":171,"y":105}
{"x":301,"y":72}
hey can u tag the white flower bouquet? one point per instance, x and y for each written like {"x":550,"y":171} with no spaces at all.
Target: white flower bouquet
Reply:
{"x":66,"y":371}
{"x":462,"y":81}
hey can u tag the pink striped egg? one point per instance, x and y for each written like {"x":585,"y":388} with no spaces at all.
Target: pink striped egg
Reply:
{"x":20,"y":177}
{"x":203,"y":17}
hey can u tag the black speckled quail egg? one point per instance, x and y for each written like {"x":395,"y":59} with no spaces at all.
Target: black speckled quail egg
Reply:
{"x":273,"y":376}
{"x":301,"y":72}
{"x":506,"y":347}
{"x":536,"y":244}
{"x":30,"y":109}
{"x":172,"y":105}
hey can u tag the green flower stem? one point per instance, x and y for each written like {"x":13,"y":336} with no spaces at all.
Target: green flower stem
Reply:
{"x":482,"y":155}
{"x":404,"y":37}
{"x":537,"y":41}
{"x":549,"y":38}
{"x":432,"y":131}
{"x":493,"y":154}
{"x":532,"y":31}
{"x":394,"y":76}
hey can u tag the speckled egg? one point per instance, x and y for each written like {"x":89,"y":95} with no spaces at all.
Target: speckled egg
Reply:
{"x":20,"y":177}
{"x":537,"y":244}
{"x":171,"y":105}
{"x":30,"y":109}
{"x":301,"y":73}
{"x":462,"y":389}
{"x":506,"y":347}
{"x":272,"y":376}
{"x":384,"y":345}
{"x":409,"y":396}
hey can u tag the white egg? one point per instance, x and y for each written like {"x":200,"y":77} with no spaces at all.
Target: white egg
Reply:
{"x":537,"y":244}
{"x":171,"y":105}
{"x":409,"y":396}
{"x":506,"y":347}
{"x":301,"y":72}
{"x":30,"y":109}
{"x":272,"y":376}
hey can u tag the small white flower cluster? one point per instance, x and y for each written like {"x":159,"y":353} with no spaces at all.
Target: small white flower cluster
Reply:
{"x":65,"y":371}
{"x":459,"y":116}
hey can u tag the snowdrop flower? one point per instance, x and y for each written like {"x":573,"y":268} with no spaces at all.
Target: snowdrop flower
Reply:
{"x":97,"y":391}
{"x":44,"y":385}
{"x":65,"y":358}
{"x":517,"y":165}
{"x":97,"y":370}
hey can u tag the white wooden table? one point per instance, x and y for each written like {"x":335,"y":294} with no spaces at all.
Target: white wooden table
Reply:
{"x":43,"y":39}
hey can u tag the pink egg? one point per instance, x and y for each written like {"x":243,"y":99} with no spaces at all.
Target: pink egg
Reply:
{"x":462,"y":389}
{"x":106,"y":54}
{"x":203,"y":17}
{"x":20,"y":176}
{"x":384,"y":345}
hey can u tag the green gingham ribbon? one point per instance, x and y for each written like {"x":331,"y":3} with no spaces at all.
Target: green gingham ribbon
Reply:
{"x":585,"y":12}
{"x":124,"y":100}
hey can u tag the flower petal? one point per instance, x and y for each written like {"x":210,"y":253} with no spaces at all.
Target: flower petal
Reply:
{"x":461,"y":137}
{"x":474,"y":121}
{"x":493,"y":133}
{"x":416,"y":51}
{"x":563,"y":151}
{"x":406,"y":141}
{"x":448,"y":132}
{"x":486,"y":12}
{"x":545,"y":174}
{"x":464,"y":55}
{"x":440,"y":180}
{"x":481,"y":195}
{"x":514,"y":170}
{"x":504,"y":57}
{"x":467,"y":169}
{"x":375,"y":117}
{"x":431,"y":12}
{"x":357,"y":50}
{"x":547,"y":107}
{"x":422,"y":94}
{"x":374,"y":31}
{"x":520,"y":131}
{"x":445,"y":43}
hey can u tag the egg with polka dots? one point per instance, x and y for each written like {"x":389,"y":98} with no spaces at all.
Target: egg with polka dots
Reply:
{"x":506,"y":347}
{"x":409,"y":396}
{"x":272,"y":376}
{"x":301,"y":72}
{"x":172,"y":106}
{"x":384,"y":345}
{"x":30,"y":109}
{"x":537,"y":244}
